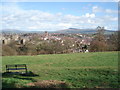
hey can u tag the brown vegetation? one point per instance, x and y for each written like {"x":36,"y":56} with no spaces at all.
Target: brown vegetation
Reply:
{"x":48,"y":84}
{"x":101,"y":43}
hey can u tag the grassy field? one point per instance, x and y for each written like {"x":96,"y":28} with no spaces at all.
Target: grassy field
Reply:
{"x":79,"y":70}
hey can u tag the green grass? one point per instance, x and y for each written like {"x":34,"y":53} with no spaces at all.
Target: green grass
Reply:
{"x":79,"y":70}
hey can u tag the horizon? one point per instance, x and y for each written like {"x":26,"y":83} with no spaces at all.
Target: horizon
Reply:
{"x":54,"y":30}
{"x":43,"y":16}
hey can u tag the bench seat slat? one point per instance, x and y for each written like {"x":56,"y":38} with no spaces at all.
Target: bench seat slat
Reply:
{"x":22,"y":65}
{"x":10,"y":65}
{"x":15,"y":68}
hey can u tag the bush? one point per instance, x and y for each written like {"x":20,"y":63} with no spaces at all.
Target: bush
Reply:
{"x":8,"y":51}
{"x":98,"y":46}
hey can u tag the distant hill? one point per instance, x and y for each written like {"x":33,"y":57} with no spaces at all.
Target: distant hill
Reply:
{"x":19,"y":31}
{"x":11,"y":31}
{"x":83,"y":31}
{"x":70,"y":30}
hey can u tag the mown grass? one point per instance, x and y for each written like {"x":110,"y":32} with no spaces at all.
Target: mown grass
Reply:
{"x":79,"y":70}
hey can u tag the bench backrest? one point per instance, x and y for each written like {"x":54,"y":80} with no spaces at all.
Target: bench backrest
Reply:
{"x":16,"y":67}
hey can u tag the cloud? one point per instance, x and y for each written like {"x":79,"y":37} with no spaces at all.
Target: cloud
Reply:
{"x":16,"y":18}
{"x":90,"y":15}
{"x":96,"y":9}
{"x":65,"y":25}
{"x":111,"y":11}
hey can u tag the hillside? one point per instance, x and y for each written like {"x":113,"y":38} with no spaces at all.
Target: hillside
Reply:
{"x":79,"y":70}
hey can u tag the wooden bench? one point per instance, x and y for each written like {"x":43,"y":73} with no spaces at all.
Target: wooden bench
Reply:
{"x":16,"y":67}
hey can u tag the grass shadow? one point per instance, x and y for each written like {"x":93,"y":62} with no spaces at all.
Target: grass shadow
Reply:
{"x":12,"y":79}
{"x":30,"y":73}
{"x":11,"y":74}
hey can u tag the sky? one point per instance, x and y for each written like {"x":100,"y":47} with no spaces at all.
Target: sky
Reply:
{"x":52,"y":16}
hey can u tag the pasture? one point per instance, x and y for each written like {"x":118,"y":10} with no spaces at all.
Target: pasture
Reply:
{"x":78,"y":70}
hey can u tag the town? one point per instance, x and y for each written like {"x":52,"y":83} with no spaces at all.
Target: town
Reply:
{"x":69,"y":43}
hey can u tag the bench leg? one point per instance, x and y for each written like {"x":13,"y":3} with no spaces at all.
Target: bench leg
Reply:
{"x":26,"y":70}
{"x":7,"y":70}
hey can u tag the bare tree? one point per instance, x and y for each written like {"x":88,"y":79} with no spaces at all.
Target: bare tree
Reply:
{"x":99,"y":41}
